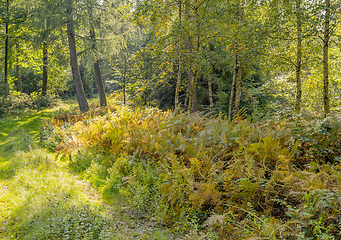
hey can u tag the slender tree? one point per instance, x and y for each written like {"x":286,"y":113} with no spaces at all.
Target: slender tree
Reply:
{"x":82,"y":102}
{"x":180,"y":57}
{"x":99,"y":81}
{"x":298,"y":56}
{"x":6,"y":41}
{"x":326,"y":106}
{"x":18,"y":68}
{"x":45,"y":67}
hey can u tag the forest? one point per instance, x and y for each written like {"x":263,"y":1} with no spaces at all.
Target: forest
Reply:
{"x":170,"y":119}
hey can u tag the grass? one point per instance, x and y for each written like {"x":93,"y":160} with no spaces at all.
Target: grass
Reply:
{"x":41,"y":199}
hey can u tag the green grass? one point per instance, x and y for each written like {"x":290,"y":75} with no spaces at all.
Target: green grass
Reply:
{"x":41,"y":199}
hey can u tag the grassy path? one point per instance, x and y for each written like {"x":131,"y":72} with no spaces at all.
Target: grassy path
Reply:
{"x":41,"y":199}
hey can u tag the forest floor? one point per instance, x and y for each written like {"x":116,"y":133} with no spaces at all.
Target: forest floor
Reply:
{"x":39,"y":195}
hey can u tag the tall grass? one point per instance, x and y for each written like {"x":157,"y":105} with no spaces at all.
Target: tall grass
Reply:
{"x":41,"y":199}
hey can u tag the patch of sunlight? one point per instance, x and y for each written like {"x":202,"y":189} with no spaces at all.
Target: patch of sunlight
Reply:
{"x":4,"y":166}
{"x":38,"y":185}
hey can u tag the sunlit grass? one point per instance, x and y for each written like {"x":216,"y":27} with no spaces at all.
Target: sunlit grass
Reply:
{"x":39,"y":197}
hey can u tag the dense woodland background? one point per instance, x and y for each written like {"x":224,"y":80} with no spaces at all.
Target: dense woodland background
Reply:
{"x":258,"y":56}
{"x":205,"y":119}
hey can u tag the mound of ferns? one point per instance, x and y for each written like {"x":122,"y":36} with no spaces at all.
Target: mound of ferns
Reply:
{"x":275,"y":178}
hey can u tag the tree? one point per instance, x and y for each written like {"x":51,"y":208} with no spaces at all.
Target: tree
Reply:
{"x":98,"y":76}
{"x":82,"y":102}
{"x":326,"y":106}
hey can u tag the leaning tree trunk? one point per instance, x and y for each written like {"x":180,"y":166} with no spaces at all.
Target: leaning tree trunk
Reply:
{"x":325,"y":60}
{"x":18,"y":70}
{"x":101,"y":92}
{"x":82,"y":102}
{"x":298,"y":57}
{"x":45,"y":67}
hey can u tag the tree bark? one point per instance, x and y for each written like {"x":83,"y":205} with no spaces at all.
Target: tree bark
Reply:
{"x":100,"y":86}
{"x":298,"y":57}
{"x":180,"y":62}
{"x":210,"y":94}
{"x":6,"y":42}
{"x":238,"y":89}
{"x":45,"y":67}
{"x":325,"y":59}
{"x":124,"y":82}
{"x":238,"y":70}
{"x":233,"y":89}
{"x":82,"y":102}
{"x":18,"y":70}
{"x":195,"y":71}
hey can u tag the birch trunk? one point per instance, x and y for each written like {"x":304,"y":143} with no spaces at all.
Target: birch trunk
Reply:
{"x":82,"y":102}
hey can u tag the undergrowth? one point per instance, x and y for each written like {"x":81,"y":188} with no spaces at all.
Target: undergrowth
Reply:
{"x":273,"y":179}
{"x":41,"y":199}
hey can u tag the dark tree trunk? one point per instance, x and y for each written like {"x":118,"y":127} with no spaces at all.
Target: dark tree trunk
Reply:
{"x":6,"y":43}
{"x":192,"y":93}
{"x":45,"y":67}
{"x":101,"y":92}
{"x":325,"y":60}
{"x":177,"y":89}
{"x":18,"y":69}
{"x":298,"y":57}
{"x":82,"y":102}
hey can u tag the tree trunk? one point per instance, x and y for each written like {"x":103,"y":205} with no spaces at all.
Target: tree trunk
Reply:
{"x":195,"y":71}
{"x":238,"y":70}
{"x":6,"y":43}
{"x":238,"y":89}
{"x":18,"y":70}
{"x":195,"y":107}
{"x":180,"y":61}
{"x":101,"y":92}
{"x":325,"y":60}
{"x":124,"y":83}
{"x":299,"y":57}
{"x":233,"y":90}
{"x":82,"y":102}
{"x":45,"y":67}
{"x":210,"y":94}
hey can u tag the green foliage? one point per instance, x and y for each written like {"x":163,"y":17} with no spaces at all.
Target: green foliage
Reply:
{"x":237,"y":178}
{"x":63,"y":221}
{"x":15,"y":102}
